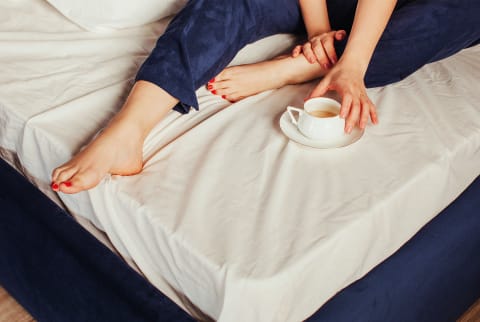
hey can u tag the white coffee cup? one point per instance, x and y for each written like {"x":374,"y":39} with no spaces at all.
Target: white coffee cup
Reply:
{"x":319,"y":119}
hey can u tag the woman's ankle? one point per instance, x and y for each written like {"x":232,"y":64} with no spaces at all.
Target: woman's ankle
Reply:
{"x":145,"y":107}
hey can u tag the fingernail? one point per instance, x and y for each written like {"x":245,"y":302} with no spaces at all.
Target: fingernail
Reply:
{"x":212,"y":80}
{"x":209,"y":86}
{"x":54,"y":186}
{"x":224,"y":97}
{"x":214,"y":92}
{"x":348,"y":129}
{"x":68,"y":184}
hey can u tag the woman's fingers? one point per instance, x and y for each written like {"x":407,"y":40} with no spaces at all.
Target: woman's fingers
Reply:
{"x":309,"y":54}
{"x":356,"y":110}
{"x":345,"y":108}
{"x":365,"y":112}
{"x":296,"y":51}
{"x":353,"y":117}
{"x":356,"y":107}
{"x":321,"y":48}
{"x":340,"y":34}
{"x":368,"y":110}
{"x":327,"y":44}
{"x":320,"y":54}
{"x":373,"y":115}
{"x":321,"y":88}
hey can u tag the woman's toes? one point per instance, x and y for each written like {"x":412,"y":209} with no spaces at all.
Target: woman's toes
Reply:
{"x":216,"y":87}
{"x":66,"y":175}
{"x":79,"y":182}
{"x":56,"y":173}
{"x":218,"y":81}
{"x":235,"y":97}
{"x":85,"y":180}
{"x":55,"y":186}
{"x":212,"y":89}
{"x":222,"y":76}
{"x":74,"y":185}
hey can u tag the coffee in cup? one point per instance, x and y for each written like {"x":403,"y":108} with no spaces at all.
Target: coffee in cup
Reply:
{"x":320,"y":113}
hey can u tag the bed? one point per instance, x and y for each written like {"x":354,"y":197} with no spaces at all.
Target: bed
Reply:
{"x":222,"y":222}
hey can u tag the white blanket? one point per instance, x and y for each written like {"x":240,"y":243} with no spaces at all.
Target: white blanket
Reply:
{"x":228,"y":212}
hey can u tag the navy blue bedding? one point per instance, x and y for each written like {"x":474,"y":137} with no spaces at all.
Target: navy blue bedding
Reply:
{"x":59,"y":272}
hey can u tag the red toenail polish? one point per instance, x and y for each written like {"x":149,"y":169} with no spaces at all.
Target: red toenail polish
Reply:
{"x":54,"y":186}
{"x":214,"y":92}
{"x":68,"y":184}
{"x":212,"y":80}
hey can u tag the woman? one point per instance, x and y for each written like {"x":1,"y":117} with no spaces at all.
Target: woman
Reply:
{"x":206,"y":35}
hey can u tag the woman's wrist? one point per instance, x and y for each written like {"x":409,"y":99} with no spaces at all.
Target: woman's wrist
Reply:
{"x":317,"y":33}
{"x":315,"y":17}
{"x":355,"y":62}
{"x":353,"y":65}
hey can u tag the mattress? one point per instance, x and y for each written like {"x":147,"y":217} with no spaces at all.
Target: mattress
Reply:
{"x":229,"y":218}
{"x":427,"y":272}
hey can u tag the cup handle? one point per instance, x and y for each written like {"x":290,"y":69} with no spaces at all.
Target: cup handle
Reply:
{"x":290,"y":110}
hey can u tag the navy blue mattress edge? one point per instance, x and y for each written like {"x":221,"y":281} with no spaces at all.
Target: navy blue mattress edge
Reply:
{"x":434,"y":277}
{"x":59,"y":272}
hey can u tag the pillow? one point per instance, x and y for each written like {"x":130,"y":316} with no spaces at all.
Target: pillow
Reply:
{"x":107,"y":15}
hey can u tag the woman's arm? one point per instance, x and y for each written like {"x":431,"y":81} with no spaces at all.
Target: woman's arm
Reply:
{"x":315,"y":17}
{"x":371,"y":18}
{"x":347,"y":76}
{"x":320,"y":45}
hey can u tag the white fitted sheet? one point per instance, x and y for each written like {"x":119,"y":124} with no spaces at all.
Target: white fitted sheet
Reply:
{"x":228,"y":212}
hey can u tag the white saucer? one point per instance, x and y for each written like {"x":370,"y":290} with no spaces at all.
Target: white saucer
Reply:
{"x":292,"y":132}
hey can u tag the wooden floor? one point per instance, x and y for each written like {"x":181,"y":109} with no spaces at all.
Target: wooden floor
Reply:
{"x":472,"y":315}
{"x":11,"y":311}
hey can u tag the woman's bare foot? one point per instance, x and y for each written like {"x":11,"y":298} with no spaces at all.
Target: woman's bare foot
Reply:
{"x":118,"y":148}
{"x":238,"y":82}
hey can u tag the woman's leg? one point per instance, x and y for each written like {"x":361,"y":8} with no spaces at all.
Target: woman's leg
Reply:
{"x":118,"y":148}
{"x":197,"y":45}
{"x":238,"y":82}
{"x":421,"y":32}
{"x":203,"y":41}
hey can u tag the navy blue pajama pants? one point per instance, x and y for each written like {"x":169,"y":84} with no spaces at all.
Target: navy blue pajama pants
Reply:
{"x":207,"y":34}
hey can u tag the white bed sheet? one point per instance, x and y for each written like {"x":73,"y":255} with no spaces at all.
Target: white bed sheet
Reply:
{"x":228,"y":212}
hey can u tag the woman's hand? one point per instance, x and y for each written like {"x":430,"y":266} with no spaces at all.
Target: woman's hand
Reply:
{"x":347,"y":80}
{"x":320,"y":48}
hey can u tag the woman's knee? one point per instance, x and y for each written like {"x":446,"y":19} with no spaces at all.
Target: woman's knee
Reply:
{"x":421,"y":32}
